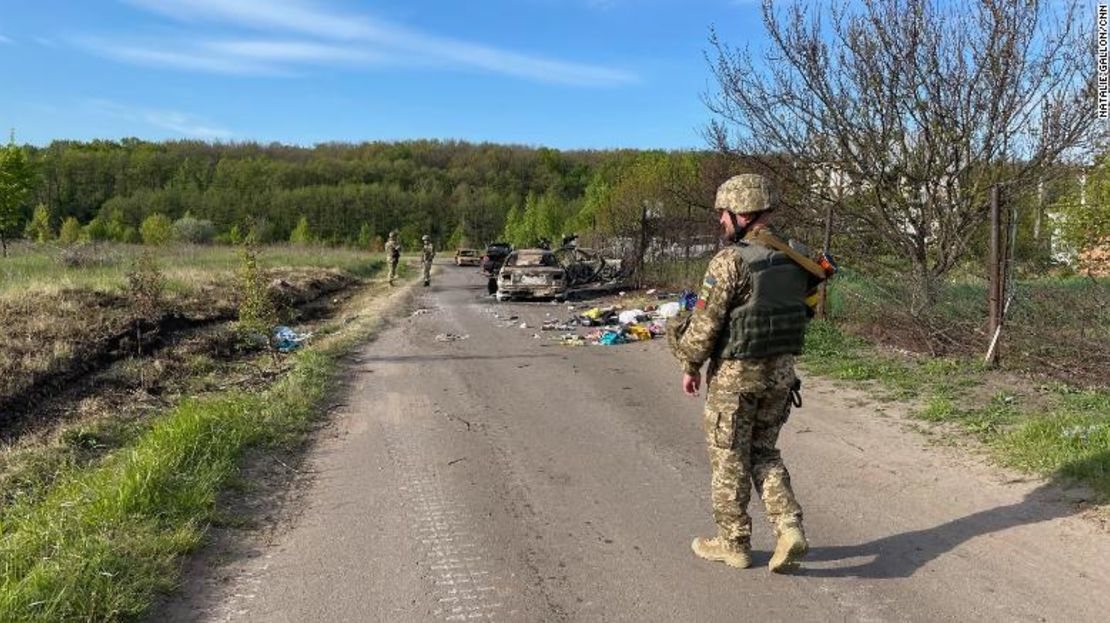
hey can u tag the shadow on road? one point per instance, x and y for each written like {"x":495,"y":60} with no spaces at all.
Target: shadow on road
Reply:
{"x":442,"y":358}
{"x":901,"y":555}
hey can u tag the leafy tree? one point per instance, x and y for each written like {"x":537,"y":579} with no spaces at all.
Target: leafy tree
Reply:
{"x":116,"y":224}
{"x":259,"y":311}
{"x":70,"y":231}
{"x":39,"y":228}
{"x":96,"y":230}
{"x":514,"y":232}
{"x":458,"y":238}
{"x":193,"y":230}
{"x":17,"y":178}
{"x":365,"y":236}
{"x":1083,"y":216}
{"x":302,"y":233}
{"x":156,"y":230}
{"x":903,"y":115}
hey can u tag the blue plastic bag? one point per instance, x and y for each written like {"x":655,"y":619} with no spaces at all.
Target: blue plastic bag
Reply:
{"x":688,"y":299}
{"x":286,"y":339}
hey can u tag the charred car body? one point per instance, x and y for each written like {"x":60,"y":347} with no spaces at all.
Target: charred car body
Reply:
{"x":467,"y":257}
{"x":531,"y":273}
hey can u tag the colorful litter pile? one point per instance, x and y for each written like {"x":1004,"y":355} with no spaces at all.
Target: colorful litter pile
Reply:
{"x":615,"y":325}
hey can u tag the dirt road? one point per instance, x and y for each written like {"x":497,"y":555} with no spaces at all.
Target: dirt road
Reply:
{"x":504,"y":477}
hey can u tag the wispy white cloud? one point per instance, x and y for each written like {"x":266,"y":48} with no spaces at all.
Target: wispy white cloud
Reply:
{"x":182,"y":123}
{"x":6,"y":41}
{"x":350,"y":38}
{"x":187,"y":58}
{"x":293,"y":51}
{"x":241,"y":57}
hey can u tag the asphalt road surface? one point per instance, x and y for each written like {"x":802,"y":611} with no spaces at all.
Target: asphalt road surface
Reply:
{"x":504,"y":477}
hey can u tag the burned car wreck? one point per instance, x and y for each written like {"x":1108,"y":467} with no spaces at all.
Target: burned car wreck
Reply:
{"x":531,"y":273}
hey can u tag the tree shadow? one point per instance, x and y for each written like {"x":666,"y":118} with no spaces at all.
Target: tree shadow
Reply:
{"x":901,"y":555}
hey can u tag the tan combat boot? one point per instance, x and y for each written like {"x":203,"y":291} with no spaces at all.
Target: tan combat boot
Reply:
{"x":719,"y":550}
{"x":790,"y":549}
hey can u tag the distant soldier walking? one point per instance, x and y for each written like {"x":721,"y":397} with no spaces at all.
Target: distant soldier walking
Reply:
{"x":749,"y":322}
{"x":393,"y":253}
{"x":426,"y":256}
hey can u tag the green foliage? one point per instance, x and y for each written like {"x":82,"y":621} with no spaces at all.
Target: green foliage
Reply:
{"x":1084,"y":213}
{"x":157,"y":230}
{"x":424,"y":186}
{"x":17,"y":178}
{"x":261,"y":231}
{"x":458,"y":238}
{"x":365,"y":236}
{"x":1069,"y":436}
{"x":190,"y":229}
{"x":259,"y":312}
{"x":513,"y":227}
{"x":70,"y":231}
{"x":96,"y":231}
{"x":302,"y":233}
{"x":103,"y":545}
{"x":39,"y":228}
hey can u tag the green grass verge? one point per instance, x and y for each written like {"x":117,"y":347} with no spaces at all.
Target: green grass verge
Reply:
{"x":1064,"y":433}
{"x":40,"y":266}
{"x":104,"y":542}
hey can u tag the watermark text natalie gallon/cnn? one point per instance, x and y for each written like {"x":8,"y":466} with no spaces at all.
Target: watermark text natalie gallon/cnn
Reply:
{"x":1103,"y":20}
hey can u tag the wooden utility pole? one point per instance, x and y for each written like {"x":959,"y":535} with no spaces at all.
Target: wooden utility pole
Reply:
{"x":994,"y":278}
{"x":1037,"y":222}
{"x":823,"y":306}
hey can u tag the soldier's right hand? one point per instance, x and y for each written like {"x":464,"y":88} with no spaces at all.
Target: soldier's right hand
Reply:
{"x":691,"y":383}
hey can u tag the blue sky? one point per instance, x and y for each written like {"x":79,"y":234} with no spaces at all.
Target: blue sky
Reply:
{"x":562,"y":73}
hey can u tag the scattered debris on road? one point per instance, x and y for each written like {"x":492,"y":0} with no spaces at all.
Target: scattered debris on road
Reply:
{"x":287,"y":340}
{"x":451,"y":337}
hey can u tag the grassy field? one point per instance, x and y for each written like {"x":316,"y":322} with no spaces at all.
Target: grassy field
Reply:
{"x":34,"y":269}
{"x":1057,"y":328}
{"x":68,"y":309}
{"x":1050,"y":428}
{"x":98,"y":503}
{"x":104,"y":543}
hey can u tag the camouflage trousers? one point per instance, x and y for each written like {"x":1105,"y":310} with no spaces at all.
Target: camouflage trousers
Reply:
{"x":393,"y":270}
{"x":748,"y":403}
{"x":427,"y":272}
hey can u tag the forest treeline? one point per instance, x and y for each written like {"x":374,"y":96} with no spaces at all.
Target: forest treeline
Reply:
{"x":459,"y":193}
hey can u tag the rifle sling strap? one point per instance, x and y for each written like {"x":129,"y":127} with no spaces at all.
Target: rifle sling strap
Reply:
{"x":776,"y":243}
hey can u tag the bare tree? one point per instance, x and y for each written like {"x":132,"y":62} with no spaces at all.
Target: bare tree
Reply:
{"x":903,"y":113}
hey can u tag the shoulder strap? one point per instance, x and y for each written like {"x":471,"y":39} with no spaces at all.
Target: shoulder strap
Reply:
{"x":776,"y":243}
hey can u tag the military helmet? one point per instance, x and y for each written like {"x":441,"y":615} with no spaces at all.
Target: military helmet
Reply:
{"x":427,"y":238}
{"x":745,"y":194}
{"x":392,"y":234}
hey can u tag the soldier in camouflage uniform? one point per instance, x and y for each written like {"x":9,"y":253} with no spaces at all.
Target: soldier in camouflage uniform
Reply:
{"x":749,"y":323}
{"x":426,"y":256}
{"x":393,"y":254}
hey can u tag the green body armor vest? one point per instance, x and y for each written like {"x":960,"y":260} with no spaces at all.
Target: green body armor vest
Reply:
{"x":773,"y":320}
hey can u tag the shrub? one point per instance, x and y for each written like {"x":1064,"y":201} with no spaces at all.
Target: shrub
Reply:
{"x":96,"y":231}
{"x":156,"y":230}
{"x":196,"y":231}
{"x":301,"y":234}
{"x":259,"y":312}
{"x":38,"y":228}
{"x":70,"y":231}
